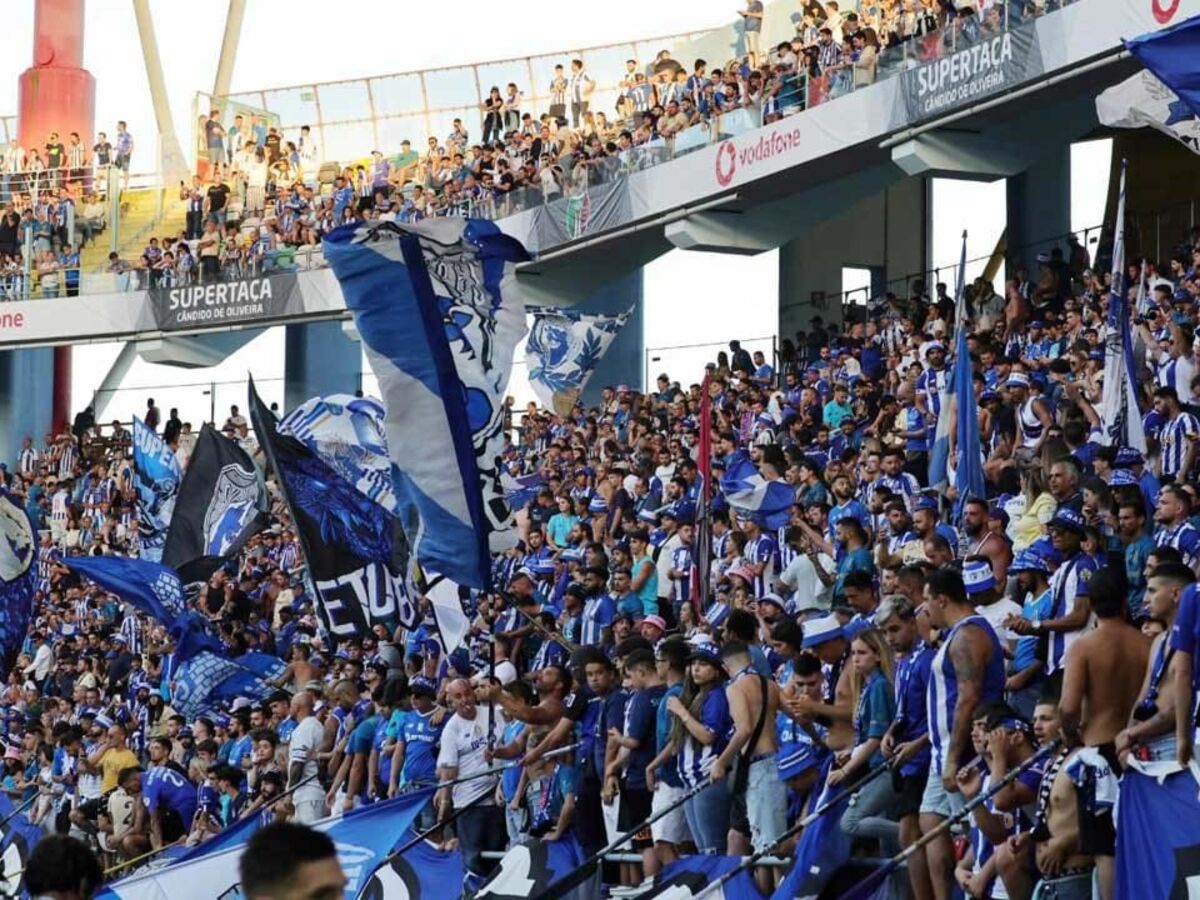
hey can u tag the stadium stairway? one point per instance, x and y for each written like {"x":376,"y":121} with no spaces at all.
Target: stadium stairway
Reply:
{"x":138,"y":224}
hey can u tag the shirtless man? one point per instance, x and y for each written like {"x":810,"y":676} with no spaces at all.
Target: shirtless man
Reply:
{"x":1152,"y":723}
{"x":1098,"y":694}
{"x":826,"y":640}
{"x":553,"y":685}
{"x":759,"y":798}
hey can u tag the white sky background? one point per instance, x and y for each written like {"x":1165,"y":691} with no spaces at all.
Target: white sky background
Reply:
{"x":382,"y":36}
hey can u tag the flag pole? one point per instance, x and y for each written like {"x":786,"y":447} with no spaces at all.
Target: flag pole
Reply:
{"x":549,"y":635}
{"x":496,"y":770}
{"x":821,"y":809}
{"x":561,"y":886}
{"x":876,"y":878}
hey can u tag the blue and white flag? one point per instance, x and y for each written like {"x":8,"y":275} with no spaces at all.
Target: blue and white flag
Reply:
{"x":689,"y":876}
{"x":1158,"y":820}
{"x":563,"y":350}
{"x":446,"y":600}
{"x":1122,"y":417}
{"x":347,"y":433}
{"x":1143,"y":101}
{"x":751,"y":495}
{"x":823,"y":847}
{"x":540,"y":869}
{"x":17,"y":839}
{"x":18,"y":575}
{"x":156,"y":477}
{"x":440,"y":314}
{"x":1171,"y":55}
{"x":151,"y":587}
{"x":422,"y":872}
{"x":209,"y":679}
{"x":968,"y":448}
{"x":520,"y":489}
{"x":363,"y":839}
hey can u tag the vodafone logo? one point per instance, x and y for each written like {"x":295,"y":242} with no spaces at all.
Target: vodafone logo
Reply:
{"x":731,"y":158}
{"x":727,"y":162}
{"x":11,"y":321}
{"x":1164,"y":14}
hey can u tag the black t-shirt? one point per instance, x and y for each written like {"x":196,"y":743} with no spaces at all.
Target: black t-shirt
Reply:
{"x":213,"y":133}
{"x":103,"y":153}
{"x":273,"y":153}
{"x":218,"y":196}
{"x":54,"y":155}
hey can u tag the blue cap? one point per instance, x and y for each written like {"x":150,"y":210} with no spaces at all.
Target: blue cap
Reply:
{"x":221,"y":721}
{"x":431,"y":645}
{"x":1128,"y":456}
{"x":1044,"y":548}
{"x":706,"y":651}
{"x":925,"y":503}
{"x":1069,"y":519}
{"x":935,"y":345}
{"x":1121,"y":477}
{"x":978,"y":576}
{"x":1017,"y":379}
{"x":1037,"y":323}
{"x":1029,"y":561}
{"x":460,"y":661}
{"x":987,"y":395}
{"x":423,"y":685}
{"x":821,"y":630}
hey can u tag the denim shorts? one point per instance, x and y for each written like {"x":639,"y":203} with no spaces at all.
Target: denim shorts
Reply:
{"x":766,"y":803}
{"x":937,"y":800}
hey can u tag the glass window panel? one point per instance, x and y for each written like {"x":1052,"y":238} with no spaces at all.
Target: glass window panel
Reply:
{"x":442,"y":123}
{"x":543,"y":74}
{"x":294,"y":106}
{"x":501,"y":73}
{"x":451,"y":88}
{"x":349,"y":143}
{"x":253,"y":98}
{"x":402,"y":128}
{"x":607,"y":64}
{"x":397,"y":95}
{"x":344,"y":101}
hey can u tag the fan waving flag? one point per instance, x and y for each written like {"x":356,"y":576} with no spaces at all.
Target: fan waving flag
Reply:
{"x":1122,"y":417}
{"x":209,"y":679}
{"x":356,"y":552}
{"x":563,"y":350}
{"x":157,"y":476}
{"x":440,"y":314}
{"x":348,"y":435}
{"x":18,"y":575}
{"x":750,"y":494}
{"x":221,"y":504}
{"x":968,"y":455}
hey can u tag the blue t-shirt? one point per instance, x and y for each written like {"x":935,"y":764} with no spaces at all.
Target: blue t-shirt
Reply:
{"x":640,"y":719}
{"x":1034,"y":609}
{"x":420,"y":738}
{"x":512,"y":776}
{"x":611,"y":715}
{"x":361,"y":741}
{"x":166,"y":786}
{"x":239,"y":750}
{"x":1185,"y":633}
{"x":668,"y":772}
{"x":876,"y":709}
{"x":385,"y":759}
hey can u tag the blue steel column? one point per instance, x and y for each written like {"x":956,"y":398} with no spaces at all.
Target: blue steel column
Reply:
{"x":623,"y":362}
{"x":1039,"y":209}
{"x":319,"y":359}
{"x":26,"y":399}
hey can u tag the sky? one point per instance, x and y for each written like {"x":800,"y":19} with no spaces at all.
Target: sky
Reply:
{"x":287,"y":49}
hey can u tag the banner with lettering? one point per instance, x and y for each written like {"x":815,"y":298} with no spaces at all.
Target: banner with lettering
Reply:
{"x":969,"y":65}
{"x":197,"y":306}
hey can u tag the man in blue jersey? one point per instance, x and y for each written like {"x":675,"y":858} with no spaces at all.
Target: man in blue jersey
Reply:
{"x":169,"y":796}
{"x":662,"y":773}
{"x":967,"y":671}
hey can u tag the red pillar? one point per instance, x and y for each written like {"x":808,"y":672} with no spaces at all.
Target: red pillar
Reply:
{"x":57,"y":94}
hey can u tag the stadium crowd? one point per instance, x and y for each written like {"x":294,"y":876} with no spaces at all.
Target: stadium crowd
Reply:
{"x":856,"y":627}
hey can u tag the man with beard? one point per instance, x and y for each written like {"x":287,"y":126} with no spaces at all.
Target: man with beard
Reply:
{"x":890,"y":544}
{"x":1174,"y":530}
{"x":979,"y":540}
{"x":1033,"y":416}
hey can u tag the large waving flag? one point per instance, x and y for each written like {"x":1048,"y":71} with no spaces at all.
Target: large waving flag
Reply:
{"x":750,"y":494}
{"x":209,"y":679}
{"x":422,"y":872}
{"x":17,"y":839}
{"x":690,"y":876}
{"x":221,"y":504}
{"x":437,"y":307}
{"x":1143,"y":101}
{"x":156,"y":476}
{"x":823,"y":847}
{"x":1158,"y":819}
{"x":363,"y":838}
{"x":1122,"y":417}
{"x":348,"y":435}
{"x":18,"y":575}
{"x":968,"y":456}
{"x":529,"y":869}
{"x":356,"y":551}
{"x":563,"y":350}
{"x":446,"y":600}
{"x":1171,"y":55}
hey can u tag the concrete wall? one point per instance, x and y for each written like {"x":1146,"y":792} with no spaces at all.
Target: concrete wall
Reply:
{"x":26,"y":399}
{"x":887,"y":233}
{"x":1039,"y":208}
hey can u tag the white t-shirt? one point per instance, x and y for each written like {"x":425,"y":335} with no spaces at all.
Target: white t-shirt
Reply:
{"x":463,"y":744}
{"x":801,"y":577}
{"x":303,"y":747}
{"x":996,"y":613}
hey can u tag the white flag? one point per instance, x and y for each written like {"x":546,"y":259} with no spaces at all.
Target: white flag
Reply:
{"x":1142,"y":101}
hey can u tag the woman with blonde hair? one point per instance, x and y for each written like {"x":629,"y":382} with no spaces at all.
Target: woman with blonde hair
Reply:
{"x":1040,"y":504}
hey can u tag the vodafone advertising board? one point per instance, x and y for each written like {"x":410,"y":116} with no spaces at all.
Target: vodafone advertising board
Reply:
{"x":742,"y":154}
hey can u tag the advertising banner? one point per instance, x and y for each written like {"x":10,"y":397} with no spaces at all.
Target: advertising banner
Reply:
{"x":226,"y":302}
{"x":967,"y":73}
